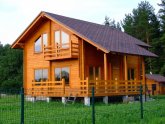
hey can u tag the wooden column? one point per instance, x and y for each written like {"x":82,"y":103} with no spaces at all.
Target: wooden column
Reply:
{"x":82,"y":60}
{"x":105,"y":71}
{"x":105,"y":67}
{"x":125,"y":68}
{"x":49,"y":43}
{"x":126,"y":73}
{"x":143,"y":71}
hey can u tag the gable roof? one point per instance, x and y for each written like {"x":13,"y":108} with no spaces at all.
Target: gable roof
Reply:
{"x":108,"y":38}
{"x":156,"y":77}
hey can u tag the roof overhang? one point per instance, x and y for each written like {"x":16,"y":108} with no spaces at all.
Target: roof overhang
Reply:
{"x":19,"y":42}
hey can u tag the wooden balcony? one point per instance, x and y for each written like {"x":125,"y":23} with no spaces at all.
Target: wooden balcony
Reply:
{"x":102,"y":88}
{"x":61,"y":51}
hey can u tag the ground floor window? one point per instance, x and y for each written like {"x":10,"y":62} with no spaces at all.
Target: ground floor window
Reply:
{"x":40,"y":75}
{"x":131,"y":74}
{"x":60,"y":73}
{"x":94,"y":72}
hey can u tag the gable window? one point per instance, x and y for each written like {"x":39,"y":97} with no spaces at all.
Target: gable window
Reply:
{"x":40,"y":43}
{"x":62,"y":73}
{"x":41,"y":75}
{"x":62,"y":39}
{"x":94,"y":72}
{"x":38,"y":47}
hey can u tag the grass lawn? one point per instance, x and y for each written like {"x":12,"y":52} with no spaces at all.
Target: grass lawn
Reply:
{"x":55,"y":112}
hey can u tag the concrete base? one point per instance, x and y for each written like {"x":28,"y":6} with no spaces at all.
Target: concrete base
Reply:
{"x":125,"y":99}
{"x":105,"y":99}
{"x":87,"y":101}
{"x":64,"y":100}
{"x":30,"y":98}
{"x":48,"y":99}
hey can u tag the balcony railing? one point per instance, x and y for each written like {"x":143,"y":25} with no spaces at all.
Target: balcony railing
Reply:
{"x":61,"y":51}
{"x":84,"y":88}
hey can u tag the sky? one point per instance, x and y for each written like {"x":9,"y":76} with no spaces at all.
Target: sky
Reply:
{"x":16,"y":15}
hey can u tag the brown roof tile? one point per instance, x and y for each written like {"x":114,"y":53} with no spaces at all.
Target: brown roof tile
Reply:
{"x":109,"y":38}
{"x":156,"y":77}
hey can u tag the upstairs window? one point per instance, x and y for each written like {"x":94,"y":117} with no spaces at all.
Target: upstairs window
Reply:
{"x":40,"y":42}
{"x":45,"y":39}
{"x":41,"y":75}
{"x":62,"y":73}
{"x":38,"y":47}
{"x":62,"y":39}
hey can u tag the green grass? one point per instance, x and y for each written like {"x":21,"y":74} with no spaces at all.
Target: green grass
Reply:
{"x":56,"y":113}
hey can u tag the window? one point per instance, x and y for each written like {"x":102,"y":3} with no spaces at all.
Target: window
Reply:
{"x":131,"y":74}
{"x":57,"y":37}
{"x":41,"y":75}
{"x":62,"y":73}
{"x":45,"y":39}
{"x":38,"y":45}
{"x":94,"y":72}
{"x":62,"y":38}
{"x":40,"y":42}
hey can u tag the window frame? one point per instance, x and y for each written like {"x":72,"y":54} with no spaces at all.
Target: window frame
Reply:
{"x":94,"y":72}
{"x":67,"y":84}
{"x":34,"y":80}
{"x":60,"y":37}
{"x":42,"y":42}
{"x":129,"y":73}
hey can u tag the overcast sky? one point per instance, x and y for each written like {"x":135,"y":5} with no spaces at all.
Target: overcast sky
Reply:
{"x":16,"y":15}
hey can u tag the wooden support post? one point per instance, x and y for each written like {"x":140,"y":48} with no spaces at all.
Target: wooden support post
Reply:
{"x":105,"y":71}
{"x":97,"y":85}
{"x":143,"y":71}
{"x":87,"y":85}
{"x":126,"y":73}
{"x":82,"y":60}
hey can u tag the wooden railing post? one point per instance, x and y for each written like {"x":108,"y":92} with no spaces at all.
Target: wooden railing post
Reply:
{"x":63,"y":86}
{"x":116,"y":85}
{"x":97,"y":85}
{"x":87,"y":85}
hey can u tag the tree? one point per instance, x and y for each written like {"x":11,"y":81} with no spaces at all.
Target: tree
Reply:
{"x":112,"y":23}
{"x":144,"y":25}
{"x":162,"y":37}
{"x":10,"y":67}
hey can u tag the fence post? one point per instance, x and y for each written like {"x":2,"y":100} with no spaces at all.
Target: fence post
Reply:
{"x":22,"y":105}
{"x":141,"y":101}
{"x":93,"y":105}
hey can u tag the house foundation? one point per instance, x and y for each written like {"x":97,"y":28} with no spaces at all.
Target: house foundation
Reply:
{"x":64,"y":100}
{"x":30,"y":98}
{"x":105,"y":99}
{"x":87,"y":101}
{"x":125,"y":99}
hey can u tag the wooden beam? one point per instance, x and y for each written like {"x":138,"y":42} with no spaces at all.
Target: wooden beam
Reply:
{"x":125,"y":68}
{"x":49,"y":43}
{"x":105,"y":67}
{"x":143,"y":70}
{"x":83,"y":60}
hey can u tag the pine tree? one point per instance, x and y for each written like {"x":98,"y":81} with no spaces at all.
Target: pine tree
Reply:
{"x":144,"y":25}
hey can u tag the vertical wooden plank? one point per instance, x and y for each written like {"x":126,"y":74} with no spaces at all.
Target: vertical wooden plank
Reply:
{"x":82,"y":59}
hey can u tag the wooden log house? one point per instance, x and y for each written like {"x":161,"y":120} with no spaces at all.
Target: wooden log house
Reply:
{"x":155,"y":84}
{"x":64,"y":56}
